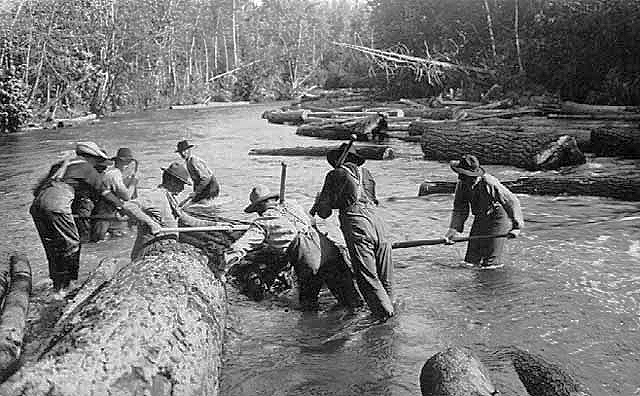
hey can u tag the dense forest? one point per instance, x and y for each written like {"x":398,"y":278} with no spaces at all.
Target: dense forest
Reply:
{"x":105,"y":55}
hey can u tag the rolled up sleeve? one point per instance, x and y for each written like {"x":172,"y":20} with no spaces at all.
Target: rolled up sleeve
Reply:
{"x":252,"y":239}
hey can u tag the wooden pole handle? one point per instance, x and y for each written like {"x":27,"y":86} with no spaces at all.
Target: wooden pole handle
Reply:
{"x":440,"y":241}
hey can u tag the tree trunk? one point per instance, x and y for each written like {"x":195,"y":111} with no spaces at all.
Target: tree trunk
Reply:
{"x":581,"y":108}
{"x":492,"y":37}
{"x":620,"y":187}
{"x":295,"y":117}
{"x":155,"y":328}
{"x":516,"y":28}
{"x":14,"y":315}
{"x":529,"y":150}
{"x":433,"y":114}
{"x":370,"y":152}
{"x":616,"y":142}
{"x":365,"y":129}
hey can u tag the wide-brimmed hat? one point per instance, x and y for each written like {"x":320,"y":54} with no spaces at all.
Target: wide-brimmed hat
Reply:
{"x":178,"y":171}
{"x":259,"y":194}
{"x":468,"y":165}
{"x":352,"y":155}
{"x":124,"y":154}
{"x":183,"y":145}
{"x":91,"y":149}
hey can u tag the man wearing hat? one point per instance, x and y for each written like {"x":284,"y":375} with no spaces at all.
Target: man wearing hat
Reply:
{"x":350,"y":188}
{"x":496,"y":210}
{"x":156,"y":203}
{"x":282,"y":235}
{"x":205,"y":185}
{"x":51,"y":211}
{"x":122,"y":182}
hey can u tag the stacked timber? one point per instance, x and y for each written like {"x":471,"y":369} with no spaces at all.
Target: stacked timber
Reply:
{"x":370,"y":152}
{"x":15,"y":286}
{"x":366,"y":129}
{"x":624,"y":187}
{"x":155,"y":327}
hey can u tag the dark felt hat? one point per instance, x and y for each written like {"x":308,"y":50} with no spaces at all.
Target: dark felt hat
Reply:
{"x":183,"y":145}
{"x":124,"y":154}
{"x":178,"y":171}
{"x":259,"y":194}
{"x":352,"y":155}
{"x":468,"y":165}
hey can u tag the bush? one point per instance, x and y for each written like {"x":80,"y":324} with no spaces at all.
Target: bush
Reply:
{"x":13,"y":101}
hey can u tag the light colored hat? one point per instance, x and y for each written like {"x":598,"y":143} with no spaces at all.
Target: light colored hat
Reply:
{"x":91,"y":149}
{"x":259,"y":194}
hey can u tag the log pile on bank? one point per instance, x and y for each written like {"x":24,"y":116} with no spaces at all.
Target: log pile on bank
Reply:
{"x":155,"y":328}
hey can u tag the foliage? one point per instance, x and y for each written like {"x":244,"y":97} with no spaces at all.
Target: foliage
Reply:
{"x":13,"y":104}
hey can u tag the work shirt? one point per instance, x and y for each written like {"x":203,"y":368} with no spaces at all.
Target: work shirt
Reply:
{"x":202,"y":177}
{"x":483,"y":199}
{"x":274,"y":230}
{"x":57,"y":195}
{"x":154,"y":199}
{"x":344,"y":187}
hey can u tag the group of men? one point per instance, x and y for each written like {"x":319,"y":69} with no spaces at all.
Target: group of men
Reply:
{"x":283,"y":233}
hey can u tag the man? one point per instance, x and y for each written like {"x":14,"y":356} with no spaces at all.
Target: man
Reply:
{"x":496,"y":210}
{"x":205,"y":185}
{"x":51,"y":211}
{"x":283,"y":235}
{"x":350,"y":188}
{"x":155,"y":202}
{"x":122,"y":182}
{"x":84,"y":203}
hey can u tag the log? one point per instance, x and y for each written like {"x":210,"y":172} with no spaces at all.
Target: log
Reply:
{"x":616,"y":142}
{"x":528,"y":150}
{"x":581,"y":108}
{"x":370,"y":152}
{"x":295,"y":117}
{"x":365,"y":129}
{"x":155,"y":328}
{"x":69,"y":122}
{"x":603,"y":116}
{"x":433,"y":114}
{"x":14,"y":315}
{"x":208,"y":105}
{"x":624,"y":187}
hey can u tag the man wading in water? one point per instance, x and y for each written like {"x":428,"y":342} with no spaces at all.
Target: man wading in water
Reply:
{"x":350,"y":188}
{"x":205,"y":185}
{"x":496,"y":210}
{"x":51,"y":211}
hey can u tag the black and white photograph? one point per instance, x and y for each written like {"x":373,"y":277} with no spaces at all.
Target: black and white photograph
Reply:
{"x":320,"y":197}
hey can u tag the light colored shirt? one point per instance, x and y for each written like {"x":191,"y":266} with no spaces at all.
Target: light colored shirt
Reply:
{"x":154,"y":203}
{"x":114,"y":181}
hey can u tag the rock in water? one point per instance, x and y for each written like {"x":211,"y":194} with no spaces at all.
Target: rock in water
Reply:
{"x":455,"y":371}
{"x":155,"y":328}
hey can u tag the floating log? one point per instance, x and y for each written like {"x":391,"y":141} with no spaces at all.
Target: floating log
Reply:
{"x":370,"y":152}
{"x":208,"y":105}
{"x":14,"y":315}
{"x":295,"y":117}
{"x":155,"y":328}
{"x":455,"y":372}
{"x":603,"y":116}
{"x":69,"y":122}
{"x":624,"y":187}
{"x":581,"y":108}
{"x":616,"y":142}
{"x":365,"y":129}
{"x":433,"y":114}
{"x":529,"y":150}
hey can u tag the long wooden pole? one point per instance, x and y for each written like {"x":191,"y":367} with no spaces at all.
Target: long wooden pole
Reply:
{"x":441,"y":241}
{"x":283,"y":180}
{"x":228,"y":228}
{"x":345,"y":152}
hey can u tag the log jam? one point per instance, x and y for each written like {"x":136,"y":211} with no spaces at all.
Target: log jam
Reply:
{"x":371,"y":152}
{"x":155,"y":328}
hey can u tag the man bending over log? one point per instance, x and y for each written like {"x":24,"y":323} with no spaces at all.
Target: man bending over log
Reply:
{"x":51,"y":211}
{"x":350,"y":188}
{"x":205,"y":184}
{"x":496,"y":210}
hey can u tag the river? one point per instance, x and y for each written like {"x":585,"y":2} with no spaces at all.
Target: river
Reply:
{"x":570,"y":289}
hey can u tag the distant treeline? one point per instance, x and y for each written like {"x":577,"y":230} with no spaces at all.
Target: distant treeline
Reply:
{"x":101,"y":55}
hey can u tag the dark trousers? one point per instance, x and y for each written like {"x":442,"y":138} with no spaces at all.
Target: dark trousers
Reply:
{"x":370,"y":253}
{"x":211,"y":191}
{"x":330,"y":268}
{"x":487,"y":252}
{"x":61,"y":243}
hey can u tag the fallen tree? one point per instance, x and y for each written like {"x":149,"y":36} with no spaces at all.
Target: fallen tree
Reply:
{"x":295,"y":117}
{"x":14,"y":314}
{"x":625,"y":187}
{"x":365,"y":129}
{"x":616,"y":142}
{"x":371,"y":152}
{"x":155,"y":328}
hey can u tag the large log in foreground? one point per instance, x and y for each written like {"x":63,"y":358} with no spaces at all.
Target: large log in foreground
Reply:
{"x":14,"y":314}
{"x":370,"y":152}
{"x":155,"y":328}
{"x":529,"y":150}
{"x":620,"y":187}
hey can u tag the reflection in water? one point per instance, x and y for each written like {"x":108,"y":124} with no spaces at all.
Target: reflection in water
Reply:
{"x":569,"y":289}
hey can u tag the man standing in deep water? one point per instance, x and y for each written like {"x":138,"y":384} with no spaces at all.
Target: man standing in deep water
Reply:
{"x":350,"y":188}
{"x":205,"y":185}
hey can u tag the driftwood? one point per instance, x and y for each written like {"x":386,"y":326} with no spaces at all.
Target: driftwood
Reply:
{"x":367,"y":152}
{"x":14,"y":314}
{"x":616,"y":142}
{"x":529,"y":150}
{"x":625,"y":187}
{"x":295,"y":117}
{"x":155,"y":328}
{"x":365,"y":129}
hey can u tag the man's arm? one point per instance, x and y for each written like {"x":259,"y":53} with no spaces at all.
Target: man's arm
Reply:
{"x":461,"y":208}
{"x":252,"y":239}
{"x":324,"y":203}
{"x":509,"y":202}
